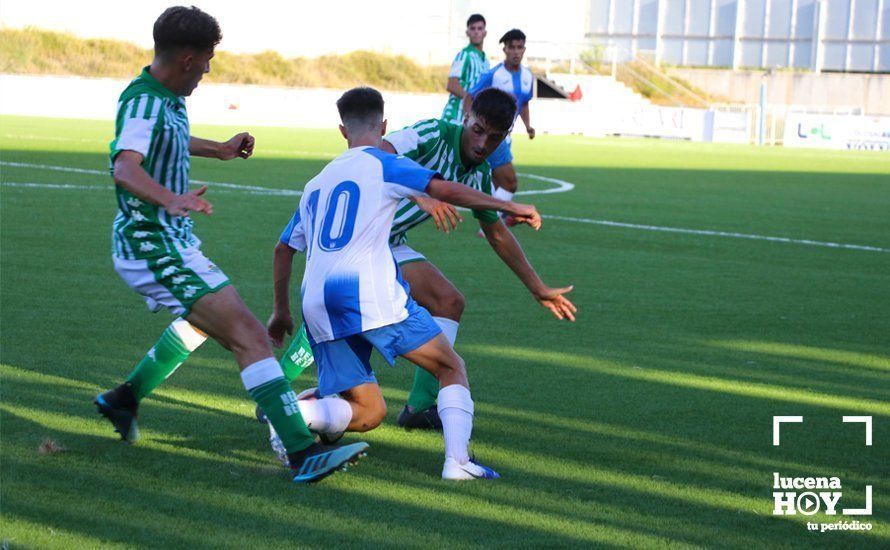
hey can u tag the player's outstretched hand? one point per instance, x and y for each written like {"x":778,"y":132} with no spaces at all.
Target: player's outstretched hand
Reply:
{"x":277,"y":327}
{"x":524,"y":213}
{"x":443,"y":214}
{"x":181,"y":205}
{"x":554,"y":300}
{"x":241,"y":145}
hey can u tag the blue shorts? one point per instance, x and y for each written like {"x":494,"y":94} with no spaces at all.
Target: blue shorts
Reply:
{"x":346,"y":363}
{"x":502,"y":155}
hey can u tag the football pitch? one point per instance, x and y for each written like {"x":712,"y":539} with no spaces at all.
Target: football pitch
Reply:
{"x":717,"y":286}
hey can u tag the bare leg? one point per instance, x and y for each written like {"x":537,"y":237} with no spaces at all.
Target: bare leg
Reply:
{"x":225,"y":317}
{"x":433,"y":291}
{"x":368,"y":407}
{"x":439,"y":359}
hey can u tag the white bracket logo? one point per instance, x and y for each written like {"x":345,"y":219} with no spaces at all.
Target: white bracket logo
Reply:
{"x":777,"y":426}
{"x":809,"y":503}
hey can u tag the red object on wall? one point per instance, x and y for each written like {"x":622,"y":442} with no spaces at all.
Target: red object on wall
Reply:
{"x":576,"y":95}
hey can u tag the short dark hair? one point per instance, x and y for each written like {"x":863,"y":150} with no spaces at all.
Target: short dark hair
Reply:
{"x":475,"y":18}
{"x":511,"y":35}
{"x":496,"y":107}
{"x":181,"y":27}
{"x":360,"y":106}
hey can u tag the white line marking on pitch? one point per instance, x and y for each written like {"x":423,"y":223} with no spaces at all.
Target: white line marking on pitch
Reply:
{"x":562,"y":187}
{"x":248,"y":188}
{"x":721,"y":234}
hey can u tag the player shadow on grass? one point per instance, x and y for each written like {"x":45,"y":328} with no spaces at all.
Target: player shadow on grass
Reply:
{"x":167,"y":488}
{"x":648,"y":300}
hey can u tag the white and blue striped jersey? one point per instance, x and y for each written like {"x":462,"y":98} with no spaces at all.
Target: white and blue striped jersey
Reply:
{"x":352,"y":284}
{"x":519,"y":84}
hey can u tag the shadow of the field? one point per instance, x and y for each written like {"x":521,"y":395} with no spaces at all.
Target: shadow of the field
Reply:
{"x":647,"y":422}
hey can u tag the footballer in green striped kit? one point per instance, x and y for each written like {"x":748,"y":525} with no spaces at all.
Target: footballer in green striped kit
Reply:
{"x":458,"y":153}
{"x":469,"y":64}
{"x":157,"y":255}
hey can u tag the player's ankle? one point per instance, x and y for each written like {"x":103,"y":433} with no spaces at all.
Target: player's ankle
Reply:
{"x":122,"y":397}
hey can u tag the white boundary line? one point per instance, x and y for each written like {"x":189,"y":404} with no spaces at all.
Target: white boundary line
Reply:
{"x":729,"y":234}
{"x":253,"y":189}
{"x":562,"y":187}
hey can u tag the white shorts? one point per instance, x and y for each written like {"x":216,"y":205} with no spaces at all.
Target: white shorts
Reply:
{"x":405,"y":254}
{"x":175,"y":281}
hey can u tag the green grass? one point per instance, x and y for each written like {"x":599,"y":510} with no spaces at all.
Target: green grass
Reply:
{"x":36,"y":51}
{"x":647,"y":423}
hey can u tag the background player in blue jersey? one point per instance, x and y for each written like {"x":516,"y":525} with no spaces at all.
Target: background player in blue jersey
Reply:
{"x":353,"y":297}
{"x":512,"y":77}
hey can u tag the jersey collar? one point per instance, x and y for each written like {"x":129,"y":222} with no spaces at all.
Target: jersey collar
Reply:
{"x":157,"y":86}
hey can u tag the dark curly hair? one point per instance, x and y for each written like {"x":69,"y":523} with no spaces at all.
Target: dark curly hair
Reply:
{"x":180,"y":27}
{"x":496,"y":107}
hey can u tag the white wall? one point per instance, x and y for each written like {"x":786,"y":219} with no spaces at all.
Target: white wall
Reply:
{"x":96,"y":98}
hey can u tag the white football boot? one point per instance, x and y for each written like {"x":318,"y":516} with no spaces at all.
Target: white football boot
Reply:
{"x":455,"y":471}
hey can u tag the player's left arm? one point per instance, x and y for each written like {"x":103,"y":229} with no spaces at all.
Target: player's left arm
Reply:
{"x":526,"y":119}
{"x":509,"y":250}
{"x":292,"y":240}
{"x":281,"y":322}
{"x":239,"y":146}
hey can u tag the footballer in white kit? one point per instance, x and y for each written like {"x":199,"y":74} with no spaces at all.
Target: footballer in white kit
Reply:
{"x":353,"y":297}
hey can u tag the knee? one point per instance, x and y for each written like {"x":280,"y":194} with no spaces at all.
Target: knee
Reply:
{"x":452,"y":366}
{"x":450,"y":304}
{"x":371,"y":416}
{"x":248,"y":335}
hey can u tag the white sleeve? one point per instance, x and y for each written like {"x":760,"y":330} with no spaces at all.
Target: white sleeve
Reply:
{"x":457,"y":68}
{"x":137,"y":124}
{"x":404,"y":140}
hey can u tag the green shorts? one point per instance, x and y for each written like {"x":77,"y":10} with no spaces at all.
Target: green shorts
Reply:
{"x":175,"y":281}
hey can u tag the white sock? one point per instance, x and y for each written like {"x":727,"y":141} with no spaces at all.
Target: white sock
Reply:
{"x":456,"y":411}
{"x":503,"y":194}
{"x":330,"y":415}
{"x":449,"y":328}
{"x":191,"y":338}
{"x":257,"y":374}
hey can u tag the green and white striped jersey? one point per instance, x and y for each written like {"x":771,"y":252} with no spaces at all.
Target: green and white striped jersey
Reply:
{"x":152,"y":121}
{"x":435,"y":144}
{"x":468,"y":66}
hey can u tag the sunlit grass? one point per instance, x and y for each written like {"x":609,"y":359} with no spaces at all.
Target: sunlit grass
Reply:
{"x":854,"y":359}
{"x":647,"y":423}
{"x":707,"y":383}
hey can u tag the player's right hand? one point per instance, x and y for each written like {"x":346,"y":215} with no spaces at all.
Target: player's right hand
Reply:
{"x":181,"y":205}
{"x":443,"y":214}
{"x":524,"y":213}
{"x":277,"y":327}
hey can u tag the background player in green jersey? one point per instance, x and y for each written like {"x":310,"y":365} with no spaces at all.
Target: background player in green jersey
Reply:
{"x":157,"y":255}
{"x":469,"y":64}
{"x":458,"y":153}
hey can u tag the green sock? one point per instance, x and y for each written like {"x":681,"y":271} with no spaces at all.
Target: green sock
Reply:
{"x":279,"y":402}
{"x":160,"y":362}
{"x":424,"y":391}
{"x":298,"y":356}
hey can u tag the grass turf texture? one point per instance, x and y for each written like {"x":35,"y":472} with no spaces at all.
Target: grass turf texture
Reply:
{"x":648,"y":422}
